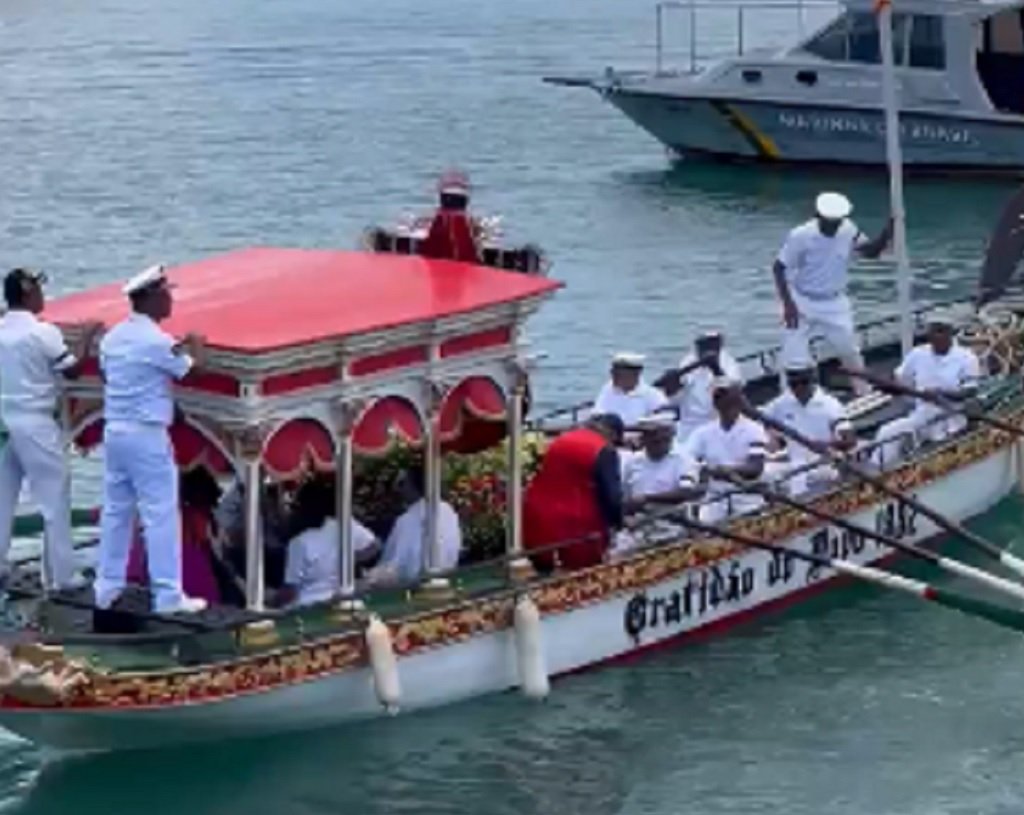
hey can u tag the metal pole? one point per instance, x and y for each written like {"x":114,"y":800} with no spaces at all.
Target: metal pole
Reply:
{"x":343,"y":503}
{"x":432,"y":469}
{"x":253,"y":536}
{"x":895,"y":161}
{"x":515,"y":471}
{"x":739,"y":24}
{"x":657,"y":38}
{"x":693,"y":36}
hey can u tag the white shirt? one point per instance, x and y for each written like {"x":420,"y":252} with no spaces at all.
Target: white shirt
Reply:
{"x":923,"y":369}
{"x":715,"y":446}
{"x":313,"y":564}
{"x":696,"y":406}
{"x":403,"y":551}
{"x":631,"y":407}
{"x":139,"y":366}
{"x":822,"y":418}
{"x":817,"y":265}
{"x":32,"y":353}
{"x":642,"y":476}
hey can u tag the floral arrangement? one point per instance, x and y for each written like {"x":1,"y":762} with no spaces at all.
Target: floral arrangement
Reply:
{"x":475,"y":485}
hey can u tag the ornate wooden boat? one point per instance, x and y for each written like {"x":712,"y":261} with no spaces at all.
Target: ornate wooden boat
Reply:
{"x":319,"y":357}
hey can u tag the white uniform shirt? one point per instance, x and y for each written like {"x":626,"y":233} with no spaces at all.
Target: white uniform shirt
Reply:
{"x":642,"y":476}
{"x":817,"y":265}
{"x":403,"y":551}
{"x":822,"y":418}
{"x":696,"y":406}
{"x":923,"y":369}
{"x":313,"y":564}
{"x":139,"y":366}
{"x":715,"y":446}
{"x":32,"y":353}
{"x":631,"y":407}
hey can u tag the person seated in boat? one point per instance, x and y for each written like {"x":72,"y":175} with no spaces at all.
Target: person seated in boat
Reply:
{"x":811,"y":274}
{"x":576,"y":495}
{"x":199,"y":494}
{"x":404,"y":557}
{"x":813,"y":412}
{"x":942,"y":368}
{"x":660,"y":473}
{"x":452,"y":234}
{"x":731,"y":446}
{"x":688,"y":388}
{"x":230,"y":543}
{"x":626,"y":395}
{"x":312,"y":571}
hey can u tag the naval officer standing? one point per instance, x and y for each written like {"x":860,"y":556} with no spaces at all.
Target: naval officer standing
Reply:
{"x":33,"y":359}
{"x":811,"y":274}
{"x":140,"y":362}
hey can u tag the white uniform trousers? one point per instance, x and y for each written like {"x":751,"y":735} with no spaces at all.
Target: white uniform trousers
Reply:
{"x":831,"y":319}
{"x":35,"y":450}
{"x":140,"y":474}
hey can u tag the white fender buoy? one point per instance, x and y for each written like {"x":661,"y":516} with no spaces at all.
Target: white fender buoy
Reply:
{"x":533,"y":673}
{"x":383,"y":664}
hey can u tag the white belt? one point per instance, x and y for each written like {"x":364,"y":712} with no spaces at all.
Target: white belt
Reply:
{"x":819,"y":297}
{"x":132,"y":426}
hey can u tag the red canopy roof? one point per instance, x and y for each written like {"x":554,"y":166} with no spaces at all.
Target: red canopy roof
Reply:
{"x":256,"y":300}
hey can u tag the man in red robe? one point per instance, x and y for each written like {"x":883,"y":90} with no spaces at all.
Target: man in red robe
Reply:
{"x":576,"y":496}
{"x":451,"y":235}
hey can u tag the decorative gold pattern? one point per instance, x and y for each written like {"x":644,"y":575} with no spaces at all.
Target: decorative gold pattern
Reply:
{"x":447,"y":627}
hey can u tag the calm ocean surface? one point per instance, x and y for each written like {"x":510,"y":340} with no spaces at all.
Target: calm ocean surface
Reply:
{"x":132,"y":133}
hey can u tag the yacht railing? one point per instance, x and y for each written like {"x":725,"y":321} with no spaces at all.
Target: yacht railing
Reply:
{"x":691,"y":9}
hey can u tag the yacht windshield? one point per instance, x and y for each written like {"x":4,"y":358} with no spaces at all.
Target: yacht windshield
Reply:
{"x":917,"y":39}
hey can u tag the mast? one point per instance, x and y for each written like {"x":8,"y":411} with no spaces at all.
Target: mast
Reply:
{"x":894,"y":159}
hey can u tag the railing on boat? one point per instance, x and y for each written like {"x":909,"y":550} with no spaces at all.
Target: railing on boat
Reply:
{"x":691,"y":11}
{"x":874,"y":333}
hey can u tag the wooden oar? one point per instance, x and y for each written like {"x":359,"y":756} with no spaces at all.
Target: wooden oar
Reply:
{"x":892,"y":386}
{"x":947,"y":564}
{"x":1011,"y":562}
{"x":994,"y":613}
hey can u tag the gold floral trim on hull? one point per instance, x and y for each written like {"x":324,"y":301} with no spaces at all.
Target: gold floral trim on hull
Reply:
{"x":446,"y":627}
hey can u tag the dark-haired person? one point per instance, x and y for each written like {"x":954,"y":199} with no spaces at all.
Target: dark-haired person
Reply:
{"x":140,"y":363}
{"x":199,"y":496}
{"x":576,"y":496}
{"x":452,"y":232}
{"x":404,"y":554}
{"x":33,"y":360}
{"x":312,"y":572}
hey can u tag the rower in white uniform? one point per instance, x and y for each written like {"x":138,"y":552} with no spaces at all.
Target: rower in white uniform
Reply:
{"x":660,"y":473}
{"x":814,"y":413}
{"x":941,"y":367}
{"x":730,"y":445}
{"x":626,"y":395}
{"x":140,"y":363}
{"x":692,"y":395}
{"x":811,"y":274}
{"x":33,"y":360}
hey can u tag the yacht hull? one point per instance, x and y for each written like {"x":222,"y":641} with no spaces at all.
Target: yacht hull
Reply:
{"x":776,"y":132}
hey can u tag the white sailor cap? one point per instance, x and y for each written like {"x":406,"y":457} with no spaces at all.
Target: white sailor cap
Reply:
{"x":952,"y":316}
{"x":660,"y":420}
{"x":627,"y":359}
{"x":800,"y":365}
{"x":148,"y":277}
{"x":833,"y":205}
